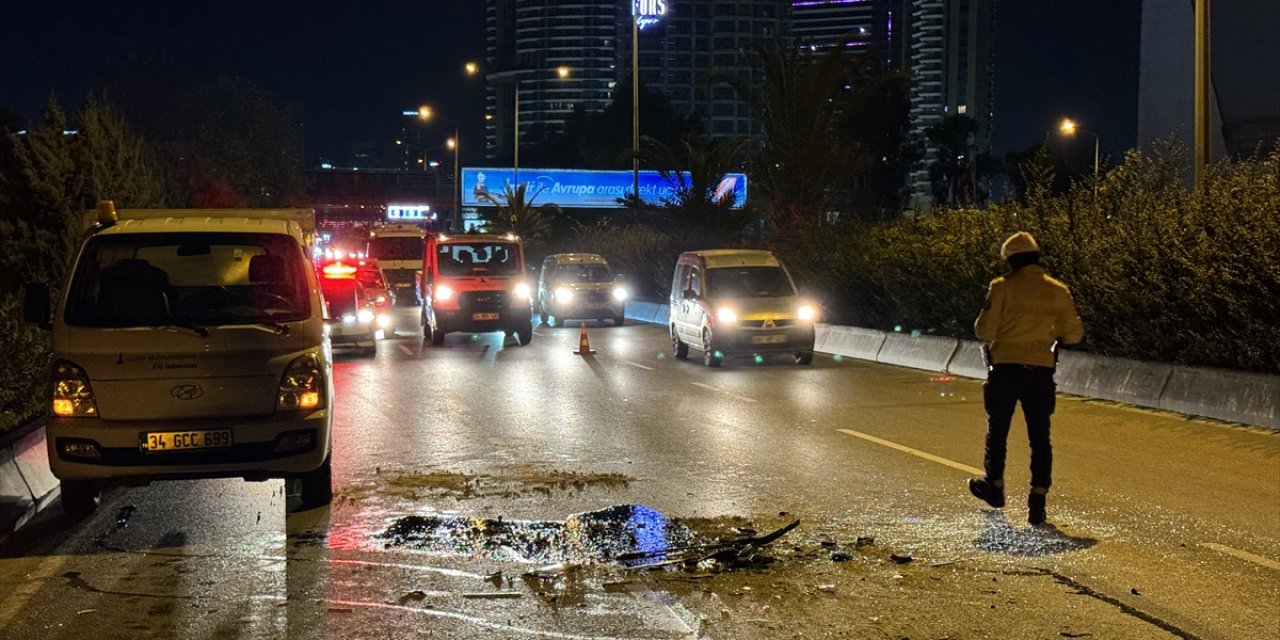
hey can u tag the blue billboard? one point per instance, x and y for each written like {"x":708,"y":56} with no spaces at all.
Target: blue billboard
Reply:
{"x":581,"y":189}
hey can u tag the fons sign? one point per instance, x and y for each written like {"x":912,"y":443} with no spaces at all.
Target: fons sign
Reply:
{"x":648,"y":12}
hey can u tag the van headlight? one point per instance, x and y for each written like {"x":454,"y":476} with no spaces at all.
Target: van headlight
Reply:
{"x":302,"y":386}
{"x":365,"y":316}
{"x":521,"y":291}
{"x":726,"y":315}
{"x":619,"y":293}
{"x":564,"y":295}
{"x":72,"y":395}
{"x":806,"y":313}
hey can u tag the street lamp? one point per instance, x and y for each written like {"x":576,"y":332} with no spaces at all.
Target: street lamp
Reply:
{"x":426,"y":113}
{"x":562,"y":72}
{"x":1070,"y":128}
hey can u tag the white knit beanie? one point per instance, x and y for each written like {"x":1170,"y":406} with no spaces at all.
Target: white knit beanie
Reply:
{"x":1020,"y":242}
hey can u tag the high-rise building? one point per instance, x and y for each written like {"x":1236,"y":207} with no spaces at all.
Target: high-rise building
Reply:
{"x":528,"y":40}
{"x":853,"y":25}
{"x":951,"y":61}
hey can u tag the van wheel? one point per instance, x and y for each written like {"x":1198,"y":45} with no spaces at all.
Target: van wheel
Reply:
{"x":804,"y":357}
{"x":79,"y":498}
{"x":525,"y":334}
{"x":678,"y":348}
{"x":709,"y":355}
{"x":437,"y":336}
{"x":317,"y":485}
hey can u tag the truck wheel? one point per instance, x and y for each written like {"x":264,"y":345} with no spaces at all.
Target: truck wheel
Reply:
{"x":437,"y":336}
{"x":525,"y":334}
{"x":79,"y":498}
{"x":804,"y":357}
{"x":317,"y":486}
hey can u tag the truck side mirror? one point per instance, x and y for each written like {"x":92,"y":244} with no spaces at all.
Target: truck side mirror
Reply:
{"x":35,"y":305}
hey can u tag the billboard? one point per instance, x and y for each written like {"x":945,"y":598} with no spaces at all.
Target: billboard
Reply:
{"x":583,"y":189}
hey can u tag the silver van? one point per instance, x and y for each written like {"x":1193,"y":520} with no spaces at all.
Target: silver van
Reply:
{"x":579,"y":286}
{"x":738,"y":301}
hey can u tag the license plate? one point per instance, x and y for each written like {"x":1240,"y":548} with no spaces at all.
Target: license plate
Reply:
{"x":484,"y":316}
{"x":768,"y":339}
{"x":184,"y":440}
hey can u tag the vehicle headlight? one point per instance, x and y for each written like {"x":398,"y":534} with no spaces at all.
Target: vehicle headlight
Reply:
{"x":302,"y":386}
{"x":444,"y":292}
{"x":726,"y":315}
{"x":806,"y":312}
{"x":365,"y":316}
{"x":619,"y":293}
{"x":349,"y":318}
{"x":72,"y":395}
{"x":521,"y":291}
{"x":564,"y":295}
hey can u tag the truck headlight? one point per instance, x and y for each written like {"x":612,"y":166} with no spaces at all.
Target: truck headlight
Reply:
{"x":726,"y":315}
{"x":521,"y":291}
{"x":564,"y":295}
{"x":619,"y":293}
{"x":72,"y":395}
{"x":806,"y":313}
{"x":302,"y":386}
{"x":444,"y":292}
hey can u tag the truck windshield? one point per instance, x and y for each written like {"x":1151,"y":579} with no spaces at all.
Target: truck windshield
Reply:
{"x":157,"y":279}
{"x":749,"y":282}
{"x":478,"y":259}
{"x":400,"y":248}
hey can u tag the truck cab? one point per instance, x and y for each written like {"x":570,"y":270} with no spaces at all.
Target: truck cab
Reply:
{"x":190,"y":344}
{"x":475,"y":283}
{"x":398,"y":248}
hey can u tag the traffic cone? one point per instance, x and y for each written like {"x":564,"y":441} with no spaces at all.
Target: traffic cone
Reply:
{"x":584,"y":346}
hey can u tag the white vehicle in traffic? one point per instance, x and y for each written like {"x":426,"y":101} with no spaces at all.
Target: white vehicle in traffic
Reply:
{"x":189,"y":344}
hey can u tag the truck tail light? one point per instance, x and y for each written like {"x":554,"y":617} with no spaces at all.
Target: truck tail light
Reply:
{"x":72,"y":395}
{"x":302,"y":386}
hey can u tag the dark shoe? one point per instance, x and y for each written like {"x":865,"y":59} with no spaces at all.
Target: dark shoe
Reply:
{"x":1035,"y":508}
{"x":982,"y":489}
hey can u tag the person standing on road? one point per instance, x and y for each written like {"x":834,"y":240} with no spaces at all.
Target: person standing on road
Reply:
{"x":1026,"y":316}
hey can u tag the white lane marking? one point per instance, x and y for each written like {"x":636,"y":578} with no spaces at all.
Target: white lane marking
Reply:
{"x":638,"y":366}
{"x":915,"y":452}
{"x":1242,"y":555}
{"x":405,"y":349}
{"x":727,"y":393}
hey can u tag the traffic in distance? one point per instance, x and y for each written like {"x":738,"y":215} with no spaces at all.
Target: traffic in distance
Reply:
{"x":197,"y":344}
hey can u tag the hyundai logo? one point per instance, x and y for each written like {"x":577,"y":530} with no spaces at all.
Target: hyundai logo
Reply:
{"x":186,"y":391}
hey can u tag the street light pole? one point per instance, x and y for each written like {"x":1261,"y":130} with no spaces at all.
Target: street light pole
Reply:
{"x":457,"y":181}
{"x":1070,"y":128}
{"x":635,"y":101}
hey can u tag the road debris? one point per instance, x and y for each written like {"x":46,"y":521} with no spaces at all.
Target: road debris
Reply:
{"x":736,"y":552}
{"x":901,"y":559}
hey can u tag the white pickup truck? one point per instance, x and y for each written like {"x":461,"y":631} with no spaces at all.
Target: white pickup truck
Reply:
{"x":189,"y":344}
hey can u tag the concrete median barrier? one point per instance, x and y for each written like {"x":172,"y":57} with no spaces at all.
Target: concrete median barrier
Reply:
{"x":16,"y":503}
{"x":968,"y":361}
{"x":641,"y":311}
{"x":931,"y":353}
{"x":1117,"y":379}
{"x":1226,"y":395}
{"x":853,"y":342}
{"x":31,"y":457}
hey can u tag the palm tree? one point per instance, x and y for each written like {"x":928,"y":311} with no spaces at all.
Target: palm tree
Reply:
{"x":518,"y":214}
{"x":695,"y":169}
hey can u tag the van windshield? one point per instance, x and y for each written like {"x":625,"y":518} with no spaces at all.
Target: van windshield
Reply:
{"x":568,"y":273}
{"x":749,"y":282}
{"x":478,"y":259}
{"x":153,"y":279}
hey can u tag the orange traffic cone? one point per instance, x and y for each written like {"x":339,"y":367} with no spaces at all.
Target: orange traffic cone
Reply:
{"x":584,"y":346}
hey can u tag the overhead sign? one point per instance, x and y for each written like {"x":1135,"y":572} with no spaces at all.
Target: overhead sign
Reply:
{"x":648,"y":12}
{"x":409,"y":212}
{"x":579,"y":189}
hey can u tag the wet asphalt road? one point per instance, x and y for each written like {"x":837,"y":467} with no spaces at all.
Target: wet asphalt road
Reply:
{"x":460,"y":469}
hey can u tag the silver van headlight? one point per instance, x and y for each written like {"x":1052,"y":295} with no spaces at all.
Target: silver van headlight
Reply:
{"x":302,"y":386}
{"x":806,"y":313}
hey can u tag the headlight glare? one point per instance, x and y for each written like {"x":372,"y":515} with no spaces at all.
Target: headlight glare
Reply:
{"x":564,"y":294}
{"x":365,"y":316}
{"x":726,"y":315}
{"x":806,"y":312}
{"x":444,"y":292}
{"x":521,"y":291}
{"x":619,"y":293}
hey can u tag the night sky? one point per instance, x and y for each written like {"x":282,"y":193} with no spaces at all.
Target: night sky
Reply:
{"x":354,"y":66}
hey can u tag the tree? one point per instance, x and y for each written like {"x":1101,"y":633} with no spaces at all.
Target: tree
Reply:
{"x":516,"y":212}
{"x":959,"y":170}
{"x":695,"y":169}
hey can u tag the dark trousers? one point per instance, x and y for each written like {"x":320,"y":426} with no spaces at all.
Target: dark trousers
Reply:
{"x":1006,"y":386}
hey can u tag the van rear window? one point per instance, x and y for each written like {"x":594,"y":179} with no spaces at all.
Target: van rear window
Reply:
{"x":189,"y":278}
